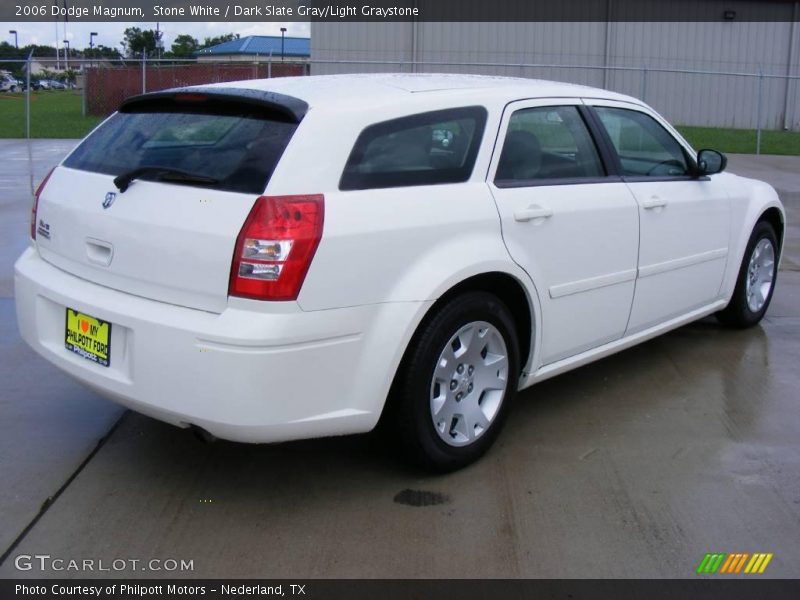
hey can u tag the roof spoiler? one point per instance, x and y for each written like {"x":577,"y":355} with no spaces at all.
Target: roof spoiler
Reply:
{"x":291,"y":108}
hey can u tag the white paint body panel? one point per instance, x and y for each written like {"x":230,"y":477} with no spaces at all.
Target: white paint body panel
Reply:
{"x":172,"y":243}
{"x":242,"y":374}
{"x":683,"y":249}
{"x":683,"y":243}
{"x":184,"y":352}
{"x":582,"y":256}
{"x":583,"y":260}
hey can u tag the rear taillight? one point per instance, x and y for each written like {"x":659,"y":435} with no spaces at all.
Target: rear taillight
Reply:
{"x":275,"y":247}
{"x":35,"y":205}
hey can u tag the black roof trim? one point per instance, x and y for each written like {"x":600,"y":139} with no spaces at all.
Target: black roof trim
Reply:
{"x":289,"y":106}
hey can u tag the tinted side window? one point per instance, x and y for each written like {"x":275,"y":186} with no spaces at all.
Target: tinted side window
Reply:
{"x":548,"y":142}
{"x":644,"y":147}
{"x":429,"y":148}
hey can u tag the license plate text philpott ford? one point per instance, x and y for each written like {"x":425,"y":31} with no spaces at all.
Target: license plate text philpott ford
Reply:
{"x":88,"y":337}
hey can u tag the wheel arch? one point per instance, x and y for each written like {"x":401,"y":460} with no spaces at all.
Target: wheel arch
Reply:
{"x":509,"y":289}
{"x":754,"y":201}
{"x":774,"y":217}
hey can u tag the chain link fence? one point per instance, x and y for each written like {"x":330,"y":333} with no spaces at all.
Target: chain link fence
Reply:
{"x":50,"y":98}
{"x":732,"y":100}
{"x":105,"y":87}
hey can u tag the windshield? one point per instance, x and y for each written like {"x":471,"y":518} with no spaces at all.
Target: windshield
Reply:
{"x":238,"y":149}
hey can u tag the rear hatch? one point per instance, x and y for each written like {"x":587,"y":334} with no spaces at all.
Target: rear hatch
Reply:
{"x":197,"y":160}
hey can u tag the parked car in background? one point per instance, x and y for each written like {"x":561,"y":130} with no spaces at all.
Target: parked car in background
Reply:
{"x":301,"y":257}
{"x":8,"y":83}
{"x":53,"y":84}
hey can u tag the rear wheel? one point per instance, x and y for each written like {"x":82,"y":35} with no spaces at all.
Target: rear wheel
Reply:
{"x":456,"y":384}
{"x":756,"y":281}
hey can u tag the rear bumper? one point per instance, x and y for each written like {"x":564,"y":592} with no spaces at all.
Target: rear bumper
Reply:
{"x":244,"y":375}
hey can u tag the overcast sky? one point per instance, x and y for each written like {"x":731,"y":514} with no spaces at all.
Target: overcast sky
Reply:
{"x":111,"y":33}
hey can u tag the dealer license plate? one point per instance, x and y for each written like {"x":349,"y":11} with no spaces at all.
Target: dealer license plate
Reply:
{"x":88,"y":337}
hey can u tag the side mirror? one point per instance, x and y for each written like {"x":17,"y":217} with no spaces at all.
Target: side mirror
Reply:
{"x":710,"y":162}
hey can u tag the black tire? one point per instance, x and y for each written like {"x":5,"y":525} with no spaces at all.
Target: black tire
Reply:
{"x":409,"y":413}
{"x":738,"y":313}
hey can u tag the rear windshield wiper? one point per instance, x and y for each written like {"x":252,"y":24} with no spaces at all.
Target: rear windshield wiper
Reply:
{"x":163,"y":174}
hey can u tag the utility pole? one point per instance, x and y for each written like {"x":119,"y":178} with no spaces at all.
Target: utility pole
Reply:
{"x":58,"y":51}
{"x":66,"y":43}
{"x":283,"y":33}
{"x":91,"y":48}
{"x":28,"y":102}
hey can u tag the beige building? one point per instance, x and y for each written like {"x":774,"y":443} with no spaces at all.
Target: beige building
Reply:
{"x":696,"y":73}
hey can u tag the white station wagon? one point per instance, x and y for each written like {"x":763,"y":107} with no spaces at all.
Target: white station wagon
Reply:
{"x":302,"y":257}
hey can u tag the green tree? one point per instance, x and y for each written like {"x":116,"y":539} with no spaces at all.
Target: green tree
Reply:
{"x":9,"y":52}
{"x":184,"y":46}
{"x":220,"y":39}
{"x":137,"y":41}
{"x":70,"y":76}
{"x":102,"y":52}
{"x":40,"y":51}
{"x":46,"y":73}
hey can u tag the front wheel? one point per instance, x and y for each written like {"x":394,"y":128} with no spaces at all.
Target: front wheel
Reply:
{"x":756,"y":281}
{"x":457,"y":382}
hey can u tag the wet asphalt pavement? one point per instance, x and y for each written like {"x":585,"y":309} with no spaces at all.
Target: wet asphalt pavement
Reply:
{"x":634,"y":466}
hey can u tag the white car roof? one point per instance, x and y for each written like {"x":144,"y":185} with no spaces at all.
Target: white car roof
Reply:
{"x":369,"y":89}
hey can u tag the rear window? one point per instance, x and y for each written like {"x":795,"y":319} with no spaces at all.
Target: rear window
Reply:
{"x":425,"y":149}
{"x":238,"y":147}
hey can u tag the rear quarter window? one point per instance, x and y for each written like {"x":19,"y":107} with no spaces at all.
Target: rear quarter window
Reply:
{"x":425,"y":149}
{"x":237,"y":147}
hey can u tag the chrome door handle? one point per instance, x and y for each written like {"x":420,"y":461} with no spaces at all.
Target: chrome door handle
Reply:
{"x":653,"y":202}
{"x":534,"y":211}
